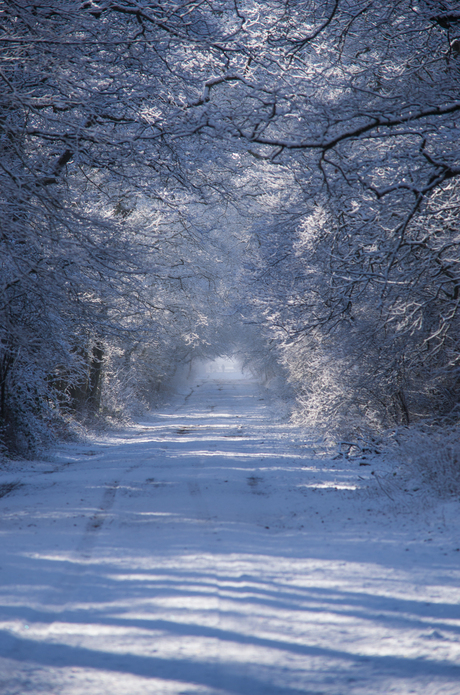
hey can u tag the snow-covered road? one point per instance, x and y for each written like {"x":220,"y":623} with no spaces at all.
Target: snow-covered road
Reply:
{"x":208,"y":551}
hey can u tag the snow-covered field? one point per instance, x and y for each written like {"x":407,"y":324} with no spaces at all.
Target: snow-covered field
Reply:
{"x":208,"y":550}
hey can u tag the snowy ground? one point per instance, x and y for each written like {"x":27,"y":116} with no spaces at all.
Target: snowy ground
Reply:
{"x":207,"y":550}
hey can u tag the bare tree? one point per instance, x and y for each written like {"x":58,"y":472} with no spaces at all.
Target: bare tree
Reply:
{"x":167,"y":165}
{"x":91,"y":110}
{"x":356,"y":102}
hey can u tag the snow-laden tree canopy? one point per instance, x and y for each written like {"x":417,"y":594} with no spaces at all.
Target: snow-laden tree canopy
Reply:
{"x":183,"y":179}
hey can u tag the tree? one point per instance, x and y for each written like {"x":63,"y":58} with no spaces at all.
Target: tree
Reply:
{"x":92,"y":102}
{"x":168,"y":165}
{"x":357,"y":103}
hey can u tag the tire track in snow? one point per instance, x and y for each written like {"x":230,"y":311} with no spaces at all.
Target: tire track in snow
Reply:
{"x":202,"y":510}
{"x":96,"y":521}
{"x":6,"y":488}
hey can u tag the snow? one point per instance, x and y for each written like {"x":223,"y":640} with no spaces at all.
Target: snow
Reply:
{"x":209,"y":550}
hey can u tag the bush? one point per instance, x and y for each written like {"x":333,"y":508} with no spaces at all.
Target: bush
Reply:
{"x":434,"y":454}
